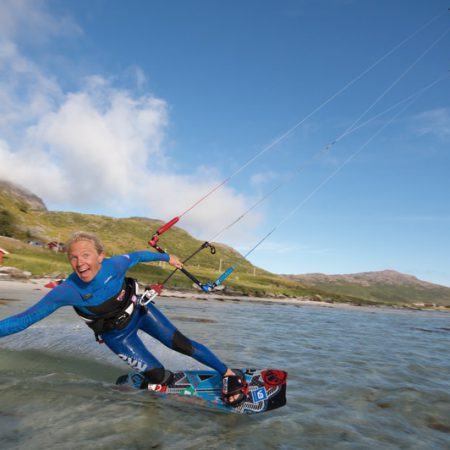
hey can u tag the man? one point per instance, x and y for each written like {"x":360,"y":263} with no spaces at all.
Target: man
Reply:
{"x":100,"y":293}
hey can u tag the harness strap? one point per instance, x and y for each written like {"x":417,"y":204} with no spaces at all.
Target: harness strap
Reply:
{"x":121,"y":308}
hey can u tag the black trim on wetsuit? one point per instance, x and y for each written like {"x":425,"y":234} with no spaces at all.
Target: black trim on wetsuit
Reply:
{"x":182,"y":344}
{"x":111,"y":314}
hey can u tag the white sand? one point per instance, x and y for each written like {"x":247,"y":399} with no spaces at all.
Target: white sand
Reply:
{"x":12,"y":289}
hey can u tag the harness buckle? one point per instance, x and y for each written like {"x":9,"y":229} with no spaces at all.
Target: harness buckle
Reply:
{"x":147,"y":297}
{"x":150,"y":294}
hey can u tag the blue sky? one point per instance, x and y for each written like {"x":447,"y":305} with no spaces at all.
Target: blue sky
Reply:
{"x":141,"y":107}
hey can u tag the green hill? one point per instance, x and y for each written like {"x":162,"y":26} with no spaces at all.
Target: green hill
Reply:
{"x":385,"y":287}
{"x":24,"y":218}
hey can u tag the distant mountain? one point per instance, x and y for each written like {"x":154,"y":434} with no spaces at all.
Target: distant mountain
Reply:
{"x":16,"y":203}
{"x":21,"y":196}
{"x":387,"y":286}
{"x":365,"y":278}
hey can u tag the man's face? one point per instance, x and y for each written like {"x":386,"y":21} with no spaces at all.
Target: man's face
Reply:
{"x":85,"y":260}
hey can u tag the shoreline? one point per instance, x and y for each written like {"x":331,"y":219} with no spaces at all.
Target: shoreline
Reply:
{"x":17,"y":288}
{"x":22,"y":285}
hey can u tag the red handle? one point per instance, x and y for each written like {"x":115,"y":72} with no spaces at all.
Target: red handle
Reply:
{"x":155,"y":238}
{"x":165,"y":227}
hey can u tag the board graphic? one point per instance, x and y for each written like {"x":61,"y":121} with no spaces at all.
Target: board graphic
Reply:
{"x":266,"y":389}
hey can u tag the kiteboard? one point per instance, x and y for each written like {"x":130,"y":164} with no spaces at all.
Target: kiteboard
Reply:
{"x":266,"y":389}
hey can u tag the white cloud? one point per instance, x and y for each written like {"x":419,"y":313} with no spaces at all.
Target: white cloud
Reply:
{"x":100,"y":138}
{"x":99,"y":148}
{"x":435,"y":122}
{"x":25,"y":91}
{"x":283,"y":248}
{"x":102,"y":148}
{"x":262,"y":179}
{"x":30,"y":19}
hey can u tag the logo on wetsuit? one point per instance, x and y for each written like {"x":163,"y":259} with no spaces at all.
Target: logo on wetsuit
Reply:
{"x":121,"y":296}
{"x":134,"y":363}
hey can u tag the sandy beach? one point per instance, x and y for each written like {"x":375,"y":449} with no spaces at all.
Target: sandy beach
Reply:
{"x":14,"y":289}
{"x":34,"y":289}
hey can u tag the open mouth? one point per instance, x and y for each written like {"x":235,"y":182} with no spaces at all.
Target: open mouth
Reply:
{"x":84,"y":273}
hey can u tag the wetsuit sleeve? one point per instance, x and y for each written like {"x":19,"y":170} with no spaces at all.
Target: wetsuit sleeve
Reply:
{"x":62,"y":295}
{"x":125,"y":262}
{"x":147,"y":256}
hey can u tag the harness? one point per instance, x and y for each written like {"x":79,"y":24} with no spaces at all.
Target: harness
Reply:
{"x":112,"y":314}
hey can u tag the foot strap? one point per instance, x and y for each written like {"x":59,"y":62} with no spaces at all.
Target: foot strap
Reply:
{"x":234,"y":386}
{"x":139,"y":380}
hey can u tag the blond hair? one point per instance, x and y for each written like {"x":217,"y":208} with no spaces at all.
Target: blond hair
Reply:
{"x":85,"y":236}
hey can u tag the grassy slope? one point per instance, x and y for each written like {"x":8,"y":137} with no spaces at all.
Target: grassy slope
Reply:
{"x":387,"y":293}
{"x":124,"y":235}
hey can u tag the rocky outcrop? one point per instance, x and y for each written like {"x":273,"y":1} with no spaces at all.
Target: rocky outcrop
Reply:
{"x":22,"y":195}
{"x":13,"y":272}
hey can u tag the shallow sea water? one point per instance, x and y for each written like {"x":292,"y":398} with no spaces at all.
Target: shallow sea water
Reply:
{"x":359,"y":378}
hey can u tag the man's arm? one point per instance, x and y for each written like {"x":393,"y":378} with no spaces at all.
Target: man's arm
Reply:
{"x":60,"y":296}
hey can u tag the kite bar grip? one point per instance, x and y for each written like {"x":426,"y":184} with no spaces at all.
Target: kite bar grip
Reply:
{"x":210,"y":286}
{"x":225,"y":275}
{"x":155,"y":238}
{"x":169,"y":224}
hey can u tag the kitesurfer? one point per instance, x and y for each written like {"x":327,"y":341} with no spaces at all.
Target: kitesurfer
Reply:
{"x":106,"y":299}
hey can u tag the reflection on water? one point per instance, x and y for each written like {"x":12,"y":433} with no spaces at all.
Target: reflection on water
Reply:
{"x":358,"y":379}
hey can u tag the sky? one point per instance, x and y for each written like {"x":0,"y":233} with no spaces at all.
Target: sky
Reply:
{"x":337,"y":112}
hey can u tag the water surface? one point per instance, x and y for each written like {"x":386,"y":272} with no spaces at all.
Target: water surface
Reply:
{"x":359,"y":378}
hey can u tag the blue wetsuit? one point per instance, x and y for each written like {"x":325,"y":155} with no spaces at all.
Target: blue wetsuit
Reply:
{"x":124,"y":342}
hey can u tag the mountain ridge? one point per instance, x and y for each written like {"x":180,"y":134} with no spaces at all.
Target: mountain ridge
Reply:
{"x":380,"y":286}
{"x":21,"y":194}
{"x":365,"y":278}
